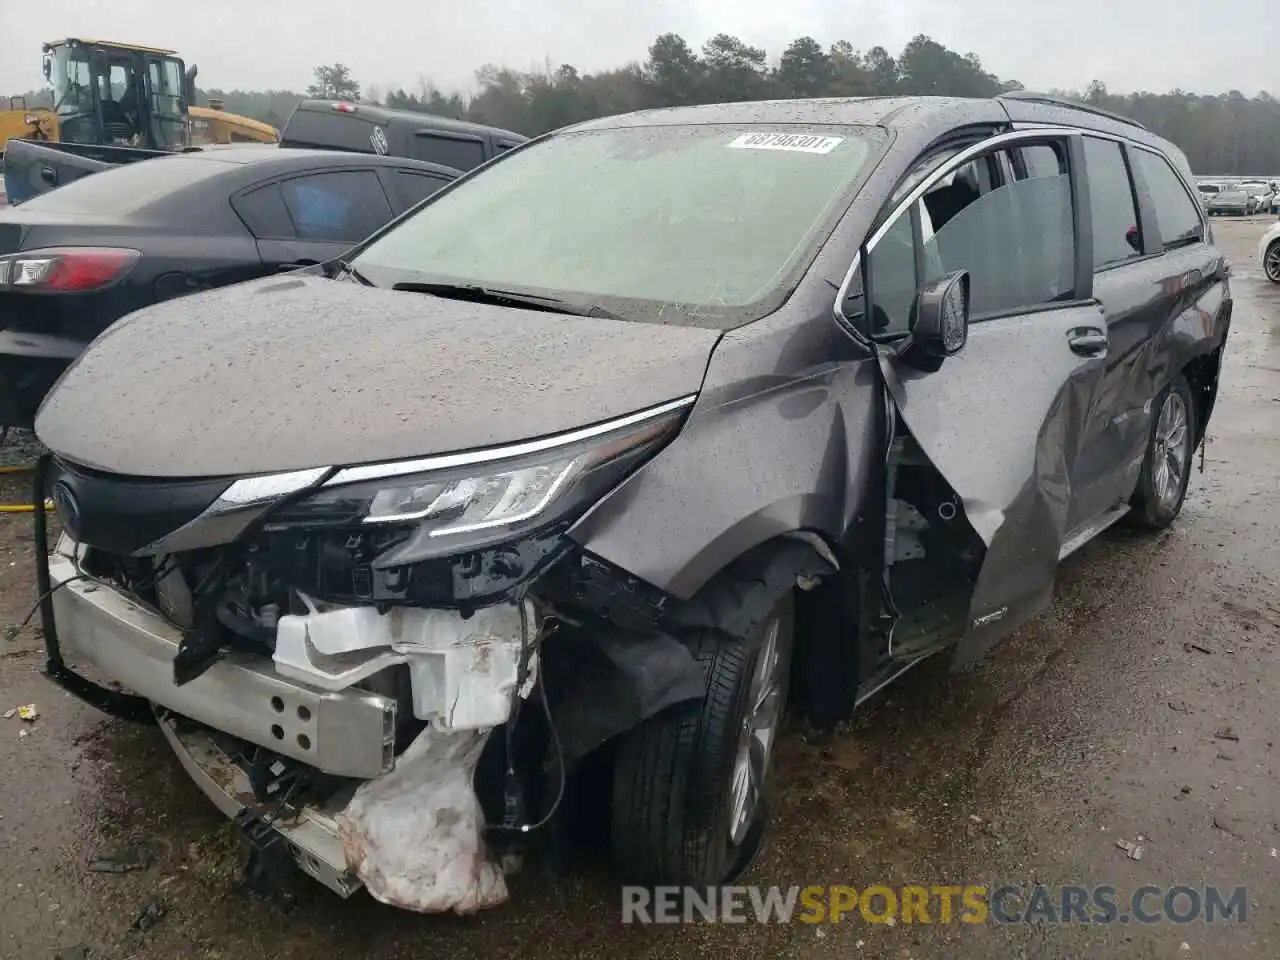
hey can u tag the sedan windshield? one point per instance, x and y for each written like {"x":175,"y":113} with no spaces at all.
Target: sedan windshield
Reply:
{"x":709,"y":224}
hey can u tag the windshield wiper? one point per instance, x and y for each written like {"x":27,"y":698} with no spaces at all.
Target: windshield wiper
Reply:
{"x":478,"y":294}
{"x":347,"y":270}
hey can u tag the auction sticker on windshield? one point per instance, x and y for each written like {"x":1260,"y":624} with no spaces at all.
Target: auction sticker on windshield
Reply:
{"x":799,"y":143}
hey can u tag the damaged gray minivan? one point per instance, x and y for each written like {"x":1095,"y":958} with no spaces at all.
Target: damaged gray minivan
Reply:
{"x":614,"y":448}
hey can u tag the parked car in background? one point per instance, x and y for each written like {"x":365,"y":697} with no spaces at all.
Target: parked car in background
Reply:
{"x":76,"y":259}
{"x":1269,"y":253}
{"x":1207,"y":191}
{"x":609,"y":448}
{"x":1232,"y":199}
{"x":1261,"y":194}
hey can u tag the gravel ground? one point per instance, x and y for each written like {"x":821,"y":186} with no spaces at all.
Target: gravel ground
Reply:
{"x":18,"y":447}
{"x":1101,"y":721}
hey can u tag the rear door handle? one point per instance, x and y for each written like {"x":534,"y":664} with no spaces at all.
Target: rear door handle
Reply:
{"x":49,"y":176}
{"x":1087,"y":341}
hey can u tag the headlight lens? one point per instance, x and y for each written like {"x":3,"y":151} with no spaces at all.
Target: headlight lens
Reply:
{"x":451,"y":504}
{"x":476,"y":502}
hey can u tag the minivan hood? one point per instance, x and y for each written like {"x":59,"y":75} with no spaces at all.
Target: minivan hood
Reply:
{"x":288,"y":373}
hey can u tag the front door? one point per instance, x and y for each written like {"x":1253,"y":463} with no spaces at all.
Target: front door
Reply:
{"x":1001,"y":421}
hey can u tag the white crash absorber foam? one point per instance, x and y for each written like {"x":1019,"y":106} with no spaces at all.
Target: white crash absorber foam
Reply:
{"x":414,"y":835}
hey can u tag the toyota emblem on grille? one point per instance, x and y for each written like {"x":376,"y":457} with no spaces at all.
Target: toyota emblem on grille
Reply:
{"x":67,"y":507}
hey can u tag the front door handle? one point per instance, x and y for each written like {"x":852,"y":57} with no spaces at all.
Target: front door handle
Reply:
{"x":1087,"y":341}
{"x":49,"y":176}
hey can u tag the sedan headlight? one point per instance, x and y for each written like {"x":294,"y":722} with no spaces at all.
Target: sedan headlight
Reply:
{"x":461,"y":502}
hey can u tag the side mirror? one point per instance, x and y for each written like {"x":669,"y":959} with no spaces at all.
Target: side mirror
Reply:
{"x":48,"y":67}
{"x":941,"y":325}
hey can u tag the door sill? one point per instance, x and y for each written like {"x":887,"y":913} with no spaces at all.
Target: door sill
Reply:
{"x":887,"y":676}
{"x":1084,"y":534}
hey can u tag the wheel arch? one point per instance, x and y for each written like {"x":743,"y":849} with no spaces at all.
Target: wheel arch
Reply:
{"x":825,"y":580}
{"x":738,"y":597}
{"x":1268,"y":243}
{"x":1202,"y":372}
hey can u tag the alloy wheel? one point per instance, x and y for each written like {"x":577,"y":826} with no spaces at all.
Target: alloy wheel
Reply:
{"x":1171,"y":450}
{"x":1271,"y":262}
{"x":761,"y":719}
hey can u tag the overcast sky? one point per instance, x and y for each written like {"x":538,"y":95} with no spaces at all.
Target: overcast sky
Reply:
{"x":258,"y":44}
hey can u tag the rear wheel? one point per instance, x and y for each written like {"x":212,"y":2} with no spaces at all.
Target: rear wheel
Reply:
{"x":694,"y":786}
{"x":1166,"y":469}
{"x":1271,"y":261}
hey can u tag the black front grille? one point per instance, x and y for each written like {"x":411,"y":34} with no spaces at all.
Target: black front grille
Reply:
{"x":121,"y":514}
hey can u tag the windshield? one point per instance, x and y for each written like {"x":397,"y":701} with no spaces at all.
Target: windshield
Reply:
{"x":706,"y":225}
{"x":72,"y":80}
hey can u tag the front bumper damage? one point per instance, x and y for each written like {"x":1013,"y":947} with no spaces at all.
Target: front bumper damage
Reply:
{"x":410,"y":827}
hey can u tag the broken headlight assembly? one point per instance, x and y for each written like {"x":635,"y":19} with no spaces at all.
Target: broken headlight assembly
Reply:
{"x":453,"y":529}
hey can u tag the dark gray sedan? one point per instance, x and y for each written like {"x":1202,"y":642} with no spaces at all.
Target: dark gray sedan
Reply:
{"x":74,"y":260}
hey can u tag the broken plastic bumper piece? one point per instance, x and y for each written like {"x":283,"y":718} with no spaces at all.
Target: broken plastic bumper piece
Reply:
{"x":463,"y":670}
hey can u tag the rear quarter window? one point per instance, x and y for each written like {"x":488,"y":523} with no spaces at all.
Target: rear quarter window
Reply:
{"x":264,"y":213}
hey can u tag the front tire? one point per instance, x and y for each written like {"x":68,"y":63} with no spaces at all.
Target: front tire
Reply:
{"x":1271,"y":261}
{"x":693,"y":787}
{"x":1166,"y":468}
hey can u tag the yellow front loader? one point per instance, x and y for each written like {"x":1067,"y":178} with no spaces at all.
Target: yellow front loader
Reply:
{"x":112,"y":103}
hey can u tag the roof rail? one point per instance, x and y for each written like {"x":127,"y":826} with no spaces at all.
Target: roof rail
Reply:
{"x":1052,"y":101}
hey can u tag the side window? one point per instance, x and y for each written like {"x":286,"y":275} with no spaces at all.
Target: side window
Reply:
{"x":263,"y":212}
{"x":1042,"y":160}
{"x":343,"y":206}
{"x":412,"y":187}
{"x":450,"y":151}
{"x":1048,"y":236}
{"x":1015,"y":238}
{"x":999,"y":236}
{"x":1115,"y":214}
{"x":1177,"y":215}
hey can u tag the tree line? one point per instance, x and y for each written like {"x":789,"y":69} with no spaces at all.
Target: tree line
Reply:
{"x":1221,"y":133}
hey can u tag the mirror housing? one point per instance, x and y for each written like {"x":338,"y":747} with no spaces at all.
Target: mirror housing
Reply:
{"x":48,"y":67}
{"x":940,"y":325}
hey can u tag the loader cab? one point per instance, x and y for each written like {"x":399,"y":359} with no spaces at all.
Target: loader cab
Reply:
{"x":118,"y":95}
